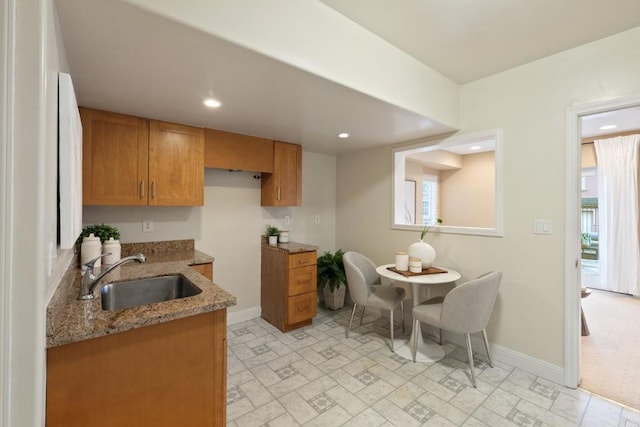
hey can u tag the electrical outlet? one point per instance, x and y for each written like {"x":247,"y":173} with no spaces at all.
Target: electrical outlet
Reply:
{"x":147,"y":226}
{"x":287,"y":220}
{"x":317,"y":219}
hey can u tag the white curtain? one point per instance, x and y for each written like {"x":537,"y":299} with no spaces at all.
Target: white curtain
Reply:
{"x":618,"y":206}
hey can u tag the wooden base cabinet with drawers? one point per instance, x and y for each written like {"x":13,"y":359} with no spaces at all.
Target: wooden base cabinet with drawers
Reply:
{"x":288,"y":287}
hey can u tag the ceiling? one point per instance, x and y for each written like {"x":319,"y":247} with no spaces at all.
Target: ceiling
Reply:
{"x":469,"y":39}
{"x":624,"y":120}
{"x":131,"y":61}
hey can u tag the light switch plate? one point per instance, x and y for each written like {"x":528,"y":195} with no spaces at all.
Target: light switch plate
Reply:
{"x":542,"y":226}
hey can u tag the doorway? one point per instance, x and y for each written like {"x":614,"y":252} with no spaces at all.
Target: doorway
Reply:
{"x":601,"y":308}
{"x":572,"y":228}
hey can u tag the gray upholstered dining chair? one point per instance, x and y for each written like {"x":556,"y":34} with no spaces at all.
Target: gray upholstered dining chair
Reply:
{"x":466,"y":309}
{"x":365,"y":289}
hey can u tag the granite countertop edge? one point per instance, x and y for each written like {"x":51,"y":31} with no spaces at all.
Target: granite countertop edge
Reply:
{"x":290,"y":247}
{"x":70,"y":320}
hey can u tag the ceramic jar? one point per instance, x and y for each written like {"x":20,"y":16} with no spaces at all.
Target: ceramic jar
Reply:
{"x":402,"y":261}
{"x":112,"y":247}
{"x":415,"y":265}
{"x":283,"y":237}
{"x":90,"y":249}
{"x":424,"y":251}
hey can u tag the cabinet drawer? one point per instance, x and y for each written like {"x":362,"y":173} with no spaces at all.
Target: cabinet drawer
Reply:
{"x":301,"y":307}
{"x":302,"y":259}
{"x":302,"y":280}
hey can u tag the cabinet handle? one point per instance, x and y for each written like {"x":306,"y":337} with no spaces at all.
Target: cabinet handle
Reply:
{"x":153,"y":189}
{"x":278,"y":188}
{"x":142,"y":188}
{"x":301,"y":282}
{"x":303,"y":308}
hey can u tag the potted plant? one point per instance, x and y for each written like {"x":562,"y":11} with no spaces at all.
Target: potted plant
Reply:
{"x":103,"y":232}
{"x":332,"y":279}
{"x":272,"y":234}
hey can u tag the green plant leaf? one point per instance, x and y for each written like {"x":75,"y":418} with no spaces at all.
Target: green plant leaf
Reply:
{"x":331,"y":270}
{"x":103,"y":231}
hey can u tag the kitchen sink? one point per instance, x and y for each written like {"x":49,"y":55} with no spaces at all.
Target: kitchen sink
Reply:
{"x":133,"y":293}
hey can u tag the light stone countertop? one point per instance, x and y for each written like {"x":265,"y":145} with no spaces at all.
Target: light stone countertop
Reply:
{"x":70,"y":320}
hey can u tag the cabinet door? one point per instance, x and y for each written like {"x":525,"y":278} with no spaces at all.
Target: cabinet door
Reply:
{"x":176,"y":164}
{"x":114,"y":158}
{"x":226,"y":150}
{"x":284,"y":186}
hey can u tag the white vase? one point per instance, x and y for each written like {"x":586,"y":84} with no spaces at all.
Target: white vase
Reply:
{"x":424,"y":251}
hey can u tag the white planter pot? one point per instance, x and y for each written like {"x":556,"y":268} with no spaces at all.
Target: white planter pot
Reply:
{"x":273,"y":240}
{"x":424,"y":251}
{"x":334,"y":300}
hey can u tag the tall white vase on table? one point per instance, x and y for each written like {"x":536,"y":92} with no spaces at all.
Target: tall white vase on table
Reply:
{"x":424,"y":251}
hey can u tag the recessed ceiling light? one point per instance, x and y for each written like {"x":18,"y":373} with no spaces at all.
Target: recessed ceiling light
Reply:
{"x":475,"y":147}
{"x":343,"y":135}
{"x":212,"y":103}
{"x":607,"y":127}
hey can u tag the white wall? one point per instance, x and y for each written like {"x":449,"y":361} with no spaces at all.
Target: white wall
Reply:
{"x":468,"y":195}
{"x":530,"y":103}
{"x":33,"y":55}
{"x":230,"y":223}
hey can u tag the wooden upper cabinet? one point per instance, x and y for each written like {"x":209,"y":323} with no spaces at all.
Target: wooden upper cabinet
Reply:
{"x":283,"y":187}
{"x":129,"y":161}
{"x":227,"y":150}
{"x":114,"y":158}
{"x":176,"y":164}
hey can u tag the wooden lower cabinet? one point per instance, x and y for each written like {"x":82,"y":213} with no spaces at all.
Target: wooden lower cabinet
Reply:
{"x":205,"y":269}
{"x":288,"y":288}
{"x":169,"y":374}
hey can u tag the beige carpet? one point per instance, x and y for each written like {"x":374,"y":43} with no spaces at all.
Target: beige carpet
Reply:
{"x":611,"y":354}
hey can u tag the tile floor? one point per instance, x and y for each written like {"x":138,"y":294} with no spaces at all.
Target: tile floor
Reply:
{"x":314,"y":376}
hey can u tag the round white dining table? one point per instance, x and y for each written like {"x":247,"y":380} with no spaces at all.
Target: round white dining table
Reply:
{"x":427,"y":351}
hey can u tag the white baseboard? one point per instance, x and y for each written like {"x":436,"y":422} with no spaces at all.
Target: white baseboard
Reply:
{"x":234,"y":317}
{"x":522,"y":361}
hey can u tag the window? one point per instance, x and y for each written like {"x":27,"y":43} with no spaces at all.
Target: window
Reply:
{"x":458,"y":179}
{"x":429,"y":199}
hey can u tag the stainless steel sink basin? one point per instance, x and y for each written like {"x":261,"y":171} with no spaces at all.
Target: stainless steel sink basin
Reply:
{"x":132,"y":293}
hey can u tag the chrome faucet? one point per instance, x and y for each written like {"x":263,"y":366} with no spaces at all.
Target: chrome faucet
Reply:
{"x":90,"y":280}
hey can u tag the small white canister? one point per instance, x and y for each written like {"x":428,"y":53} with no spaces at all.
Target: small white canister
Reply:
{"x":415,"y":265}
{"x":402,"y":261}
{"x":284,"y":236}
{"x":112,"y":247}
{"x":90,"y":249}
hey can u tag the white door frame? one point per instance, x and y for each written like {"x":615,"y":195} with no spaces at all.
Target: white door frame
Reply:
{"x":572,"y":228}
